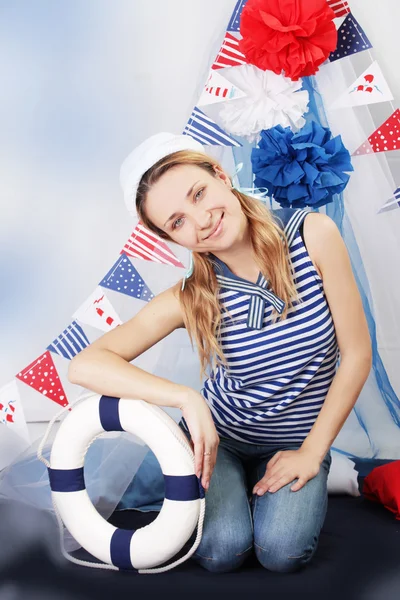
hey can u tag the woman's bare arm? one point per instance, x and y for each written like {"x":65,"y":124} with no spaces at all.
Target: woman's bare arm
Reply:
{"x":105,"y":368}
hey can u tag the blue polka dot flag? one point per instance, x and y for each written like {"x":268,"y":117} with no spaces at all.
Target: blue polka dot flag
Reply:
{"x":351,"y":39}
{"x":234,"y":23}
{"x":124,"y":278}
{"x":70,"y":342}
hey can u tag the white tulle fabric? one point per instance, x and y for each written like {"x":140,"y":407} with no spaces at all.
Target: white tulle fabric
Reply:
{"x":270,"y":100}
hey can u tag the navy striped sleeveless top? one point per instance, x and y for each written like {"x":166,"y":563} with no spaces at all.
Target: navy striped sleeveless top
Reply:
{"x":278,"y":373}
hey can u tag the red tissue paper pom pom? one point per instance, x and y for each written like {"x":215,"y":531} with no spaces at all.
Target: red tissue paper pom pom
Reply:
{"x":383,"y":485}
{"x":294,"y":36}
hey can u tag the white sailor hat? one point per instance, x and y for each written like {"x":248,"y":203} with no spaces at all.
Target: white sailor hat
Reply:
{"x":145,"y":156}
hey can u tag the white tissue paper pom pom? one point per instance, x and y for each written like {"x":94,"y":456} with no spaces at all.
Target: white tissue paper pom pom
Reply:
{"x":270,"y":100}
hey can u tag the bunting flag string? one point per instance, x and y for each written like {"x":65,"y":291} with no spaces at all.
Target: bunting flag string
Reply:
{"x":229,"y":54}
{"x":351,"y":39}
{"x":385,"y":138}
{"x":70,"y":342}
{"x":393,"y":202}
{"x":206,"y":131}
{"x":43,"y":377}
{"x":369,"y":88}
{"x":124,"y":278}
{"x":146,"y":245}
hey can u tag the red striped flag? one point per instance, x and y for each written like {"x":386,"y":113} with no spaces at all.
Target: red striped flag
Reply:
{"x":229,"y":55}
{"x":339,"y":7}
{"x":146,"y":245}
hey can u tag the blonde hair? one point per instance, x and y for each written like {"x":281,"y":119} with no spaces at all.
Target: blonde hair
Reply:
{"x":199,"y":300}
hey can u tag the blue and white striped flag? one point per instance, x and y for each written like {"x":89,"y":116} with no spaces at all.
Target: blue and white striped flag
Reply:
{"x":70,"y":342}
{"x":206,"y":131}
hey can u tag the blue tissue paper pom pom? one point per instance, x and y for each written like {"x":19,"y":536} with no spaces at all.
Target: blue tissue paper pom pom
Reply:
{"x":301,"y":169}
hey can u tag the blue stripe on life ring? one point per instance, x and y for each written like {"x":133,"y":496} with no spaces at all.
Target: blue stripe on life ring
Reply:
{"x":120,"y":548}
{"x":66,"y":480}
{"x":109,"y":414}
{"x":183,"y":487}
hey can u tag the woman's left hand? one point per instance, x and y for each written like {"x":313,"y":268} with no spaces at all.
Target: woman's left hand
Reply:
{"x":284,"y":467}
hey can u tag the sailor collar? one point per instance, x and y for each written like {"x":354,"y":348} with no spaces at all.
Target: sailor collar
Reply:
{"x":260,"y":295}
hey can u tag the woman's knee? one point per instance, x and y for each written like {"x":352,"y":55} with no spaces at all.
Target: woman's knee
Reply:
{"x":223,"y":559}
{"x":284,"y":559}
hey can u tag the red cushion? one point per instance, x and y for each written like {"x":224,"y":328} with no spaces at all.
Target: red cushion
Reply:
{"x":383,"y":485}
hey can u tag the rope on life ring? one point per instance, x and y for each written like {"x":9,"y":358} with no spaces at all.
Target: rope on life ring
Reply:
{"x":184,"y":504}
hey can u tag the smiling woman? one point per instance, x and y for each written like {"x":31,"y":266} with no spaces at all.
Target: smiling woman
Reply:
{"x":263,"y":304}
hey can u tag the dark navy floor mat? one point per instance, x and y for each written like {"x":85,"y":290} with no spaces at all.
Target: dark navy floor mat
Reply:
{"x":358,"y":557}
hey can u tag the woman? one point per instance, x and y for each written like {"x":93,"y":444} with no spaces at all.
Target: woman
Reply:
{"x":270,"y":301}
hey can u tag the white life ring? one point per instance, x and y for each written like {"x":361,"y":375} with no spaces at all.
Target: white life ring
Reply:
{"x":184,"y":495}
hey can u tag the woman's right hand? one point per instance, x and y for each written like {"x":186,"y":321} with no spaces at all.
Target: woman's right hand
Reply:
{"x":204,"y":436}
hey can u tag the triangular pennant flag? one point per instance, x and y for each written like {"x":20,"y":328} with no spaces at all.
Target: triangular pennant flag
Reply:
{"x":385,"y":138}
{"x":339,"y":7}
{"x":206,"y":131}
{"x":11,"y":413}
{"x":371,"y":87}
{"x":234,"y":23}
{"x":392,"y":203}
{"x":145,"y":244}
{"x":218,"y":89}
{"x":351,"y":39}
{"x":43,"y":377}
{"x":229,"y":54}
{"x":70,"y":342}
{"x":123,"y":278}
{"x":97,"y":311}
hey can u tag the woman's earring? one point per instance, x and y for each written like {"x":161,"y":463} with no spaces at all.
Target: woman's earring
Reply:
{"x":189,"y":272}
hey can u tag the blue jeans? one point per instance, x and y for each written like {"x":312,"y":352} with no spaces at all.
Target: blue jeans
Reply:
{"x":282,"y":527}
